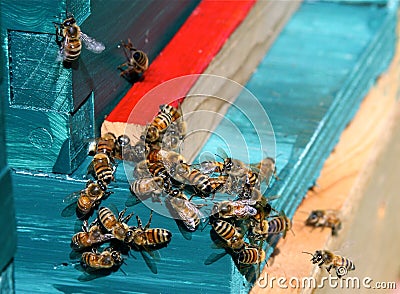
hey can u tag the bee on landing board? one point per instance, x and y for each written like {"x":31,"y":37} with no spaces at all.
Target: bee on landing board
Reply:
{"x":325,"y":218}
{"x":105,"y":260}
{"x":184,"y":210}
{"x":342,"y":265}
{"x":229,"y":233}
{"x":116,"y":226}
{"x":84,"y":201}
{"x":148,"y":238}
{"x":70,"y":43}
{"x":89,"y":236}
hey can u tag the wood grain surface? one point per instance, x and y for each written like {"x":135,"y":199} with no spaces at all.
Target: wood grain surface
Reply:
{"x":342,"y":185}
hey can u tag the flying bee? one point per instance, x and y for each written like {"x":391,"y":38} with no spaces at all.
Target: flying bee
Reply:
{"x":70,"y":43}
{"x":102,"y":168}
{"x":146,"y":238}
{"x":342,"y":265}
{"x":149,"y":187}
{"x":239,"y":209}
{"x":250,"y":255}
{"x":116,"y":226}
{"x":104,"y":260}
{"x":325,"y":218}
{"x":137,"y":61}
{"x":89,"y":237}
{"x":184,"y":210}
{"x":279,"y":224}
{"x":229,"y":233}
{"x":86,"y":199}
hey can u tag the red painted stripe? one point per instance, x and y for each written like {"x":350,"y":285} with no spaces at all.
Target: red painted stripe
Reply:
{"x":189,"y":52}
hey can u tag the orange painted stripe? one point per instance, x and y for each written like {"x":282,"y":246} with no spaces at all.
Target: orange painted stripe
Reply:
{"x":189,"y":52}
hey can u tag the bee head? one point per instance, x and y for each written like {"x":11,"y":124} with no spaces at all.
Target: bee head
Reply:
{"x":69,"y":21}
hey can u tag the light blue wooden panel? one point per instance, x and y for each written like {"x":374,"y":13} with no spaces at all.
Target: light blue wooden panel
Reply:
{"x":311,"y":83}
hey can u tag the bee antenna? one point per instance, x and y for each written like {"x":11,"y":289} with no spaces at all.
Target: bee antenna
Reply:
{"x":307,"y":253}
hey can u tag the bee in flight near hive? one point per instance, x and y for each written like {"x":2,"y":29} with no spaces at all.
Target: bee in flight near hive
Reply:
{"x":342,"y":265}
{"x":325,"y":218}
{"x":137,"y":61}
{"x":70,"y":44}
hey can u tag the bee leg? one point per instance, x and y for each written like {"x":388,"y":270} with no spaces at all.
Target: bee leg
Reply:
{"x":127,"y":218}
{"x":122,"y":65}
{"x":57,"y":36}
{"x":121,"y":214}
{"x":148,"y":223}
{"x":85,"y":226}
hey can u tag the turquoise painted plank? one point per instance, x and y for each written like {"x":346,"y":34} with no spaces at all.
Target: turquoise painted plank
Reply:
{"x":8,"y":237}
{"x":310,"y":94}
{"x":311,"y":83}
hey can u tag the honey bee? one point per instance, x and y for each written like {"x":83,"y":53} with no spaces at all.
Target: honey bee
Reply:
{"x":325,"y":218}
{"x":70,"y":43}
{"x":110,"y":145}
{"x":199,"y":181}
{"x":146,"y":238}
{"x":157,"y":127}
{"x":136,"y":153}
{"x":266,"y":168}
{"x":116,"y":226}
{"x":158,"y":169}
{"x":342,"y":265}
{"x":279,"y":224}
{"x":149,"y":187}
{"x":239,"y":209}
{"x":104,"y":260}
{"x":137,"y":61}
{"x":229,"y":234}
{"x":87,"y":199}
{"x":102,"y":168}
{"x":250,"y":255}
{"x":177,"y":119}
{"x":184,"y":210}
{"x":89,"y":237}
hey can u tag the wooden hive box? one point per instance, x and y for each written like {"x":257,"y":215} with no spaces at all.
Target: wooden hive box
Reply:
{"x":307,"y":111}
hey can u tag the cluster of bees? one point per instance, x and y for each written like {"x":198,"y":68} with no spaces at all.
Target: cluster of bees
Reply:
{"x":240,"y":225}
{"x":109,"y":231}
{"x":162,"y":174}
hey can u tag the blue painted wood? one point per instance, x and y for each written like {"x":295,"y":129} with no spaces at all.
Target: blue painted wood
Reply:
{"x":8,"y":237}
{"x":310,"y":83}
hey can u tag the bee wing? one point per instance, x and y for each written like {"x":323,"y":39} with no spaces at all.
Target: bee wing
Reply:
{"x":213,"y":257}
{"x":222,"y":153}
{"x":91,"y":44}
{"x":70,"y":209}
{"x":73,"y":197}
{"x":132,"y":201}
{"x":149,"y":259}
